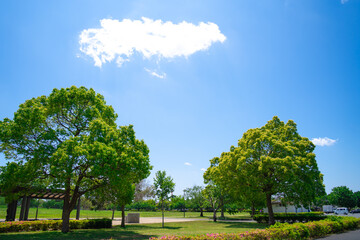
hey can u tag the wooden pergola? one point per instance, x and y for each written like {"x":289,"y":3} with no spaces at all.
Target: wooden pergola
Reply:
{"x":25,"y":205}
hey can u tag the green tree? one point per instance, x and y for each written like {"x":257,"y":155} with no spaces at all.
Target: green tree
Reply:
{"x":271,"y":160}
{"x":144,"y":190}
{"x":146,"y":205}
{"x":357,"y":196}
{"x":222,"y":175}
{"x":178,"y":203}
{"x":164,"y":185}
{"x":196,"y":198}
{"x":321,"y":201}
{"x":116,"y":194}
{"x":213,"y":193}
{"x":71,"y":140}
{"x":342,"y":197}
{"x":15,"y":180}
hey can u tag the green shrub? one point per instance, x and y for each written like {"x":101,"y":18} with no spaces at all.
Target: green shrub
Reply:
{"x":46,"y":225}
{"x":309,"y":230}
{"x":291,"y":217}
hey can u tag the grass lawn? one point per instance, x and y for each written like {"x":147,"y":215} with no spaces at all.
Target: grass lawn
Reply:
{"x":56,"y":213}
{"x":144,"y":231}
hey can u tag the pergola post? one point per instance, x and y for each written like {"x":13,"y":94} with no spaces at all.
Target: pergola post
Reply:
{"x":78,"y":210}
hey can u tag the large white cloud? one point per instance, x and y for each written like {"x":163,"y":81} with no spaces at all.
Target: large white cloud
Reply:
{"x":118,"y":40}
{"x":323,"y":141}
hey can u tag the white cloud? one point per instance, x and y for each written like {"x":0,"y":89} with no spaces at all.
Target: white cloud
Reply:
{"x":323,"y":141}
{"x":118,"y":40}
{"x":344,"y":1}
{"x":203,"y":169}
{"x":188,"y":164}
{"x":155,"y":74}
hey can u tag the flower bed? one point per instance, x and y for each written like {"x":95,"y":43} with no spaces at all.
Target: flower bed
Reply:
{"x":45,"y":225}
{"x":294,"y":231}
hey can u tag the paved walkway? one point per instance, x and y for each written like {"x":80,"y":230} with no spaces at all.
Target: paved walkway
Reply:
{"x":352,"y":235}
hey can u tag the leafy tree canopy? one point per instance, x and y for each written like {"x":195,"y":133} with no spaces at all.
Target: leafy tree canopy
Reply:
{"x":357,"y":196}
{"x":270,"y":160}
{"x":163,"y":185}
{"x":70,"y":138}
{"x":342,"y":197}
{"x":196,"y":198}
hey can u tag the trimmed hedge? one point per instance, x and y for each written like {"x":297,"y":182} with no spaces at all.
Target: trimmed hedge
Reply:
{"x":46,"y":225}
{"x":291,"y":217}
{"x":296,"y":231}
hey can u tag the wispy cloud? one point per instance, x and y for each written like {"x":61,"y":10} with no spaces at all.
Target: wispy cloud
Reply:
{"x":155,"y":74}
{"x":118,"y":40}
{"x":323,"y":141}
{"x":344,"y":1}
{"x":188,"y":164}
{"x":203,"y":169}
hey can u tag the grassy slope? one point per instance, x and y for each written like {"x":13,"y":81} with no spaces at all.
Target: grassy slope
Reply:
{"x":56,"y":213}
{"x":141,"y":231}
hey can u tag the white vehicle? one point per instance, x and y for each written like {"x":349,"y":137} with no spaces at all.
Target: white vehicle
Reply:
{"x":341,"y":210}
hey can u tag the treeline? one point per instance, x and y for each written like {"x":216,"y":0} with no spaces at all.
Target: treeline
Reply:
{"x":193,"y":199}
{"x":340,"y":196}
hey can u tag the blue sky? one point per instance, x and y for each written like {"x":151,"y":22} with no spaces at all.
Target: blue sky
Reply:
{"x":298,"y":60}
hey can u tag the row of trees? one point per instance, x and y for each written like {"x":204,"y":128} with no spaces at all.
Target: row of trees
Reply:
{"x":69,"y":140}
{"x":340,"y":196}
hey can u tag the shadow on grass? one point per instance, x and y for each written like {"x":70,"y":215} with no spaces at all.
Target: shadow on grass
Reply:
{"x":149,"y":226}
{"x":243,"y":225}
{"x":116,"y":232}
{"x":103,"y":234}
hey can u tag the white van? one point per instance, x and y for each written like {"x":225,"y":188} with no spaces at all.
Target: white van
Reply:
{"x":341,"y":210}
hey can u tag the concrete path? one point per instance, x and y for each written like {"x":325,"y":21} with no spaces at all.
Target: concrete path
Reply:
{"x":352,"y":235}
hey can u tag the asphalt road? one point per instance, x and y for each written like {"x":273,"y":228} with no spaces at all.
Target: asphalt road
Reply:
{"x":357,"y":215}
{"x":352,"y":235}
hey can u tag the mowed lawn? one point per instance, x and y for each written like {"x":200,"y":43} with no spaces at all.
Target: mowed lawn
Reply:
{"x":56,"y":214}
{"x":144,"y":231}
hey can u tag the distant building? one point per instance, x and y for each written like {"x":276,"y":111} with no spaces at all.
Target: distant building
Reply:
{"x":328,"y":208}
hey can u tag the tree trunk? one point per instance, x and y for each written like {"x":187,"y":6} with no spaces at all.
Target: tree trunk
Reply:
{"x":66,"y":213}
{"x":78,"y":209}
{"x":214,"y":217}
{"x":270,"y":209}
{"x":162,"y":213}
{"x":11,"y":211}
{"x":201,"y":212}
{"x":122,"y":215}
{"x":113,"y":214}
{"x":252,"y":210}
{"x":37,"y":210}
{"x":222,"y":213}
{"x":65,"y":220}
